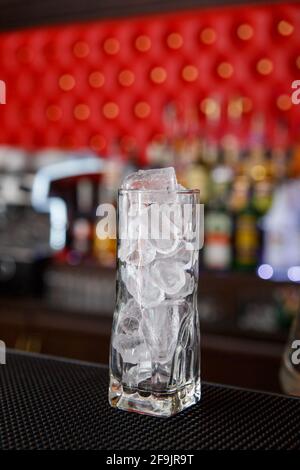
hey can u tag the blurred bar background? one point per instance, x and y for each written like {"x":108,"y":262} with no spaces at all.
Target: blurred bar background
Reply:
{"x":96,"y":91}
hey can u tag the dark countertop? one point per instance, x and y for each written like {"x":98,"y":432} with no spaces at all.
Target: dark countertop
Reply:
{"x":49,"y":403}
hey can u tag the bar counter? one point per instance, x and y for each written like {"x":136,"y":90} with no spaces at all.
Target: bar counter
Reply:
{"x":50,"y":403}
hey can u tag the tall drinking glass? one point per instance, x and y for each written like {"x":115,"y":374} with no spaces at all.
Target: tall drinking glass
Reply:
{"x":155,"y":342}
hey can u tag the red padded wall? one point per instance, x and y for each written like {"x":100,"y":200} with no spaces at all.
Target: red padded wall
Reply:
{"x":80,"y":85}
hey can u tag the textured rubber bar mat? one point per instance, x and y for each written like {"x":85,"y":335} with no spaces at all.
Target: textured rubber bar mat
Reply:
{"x":53,"y":404}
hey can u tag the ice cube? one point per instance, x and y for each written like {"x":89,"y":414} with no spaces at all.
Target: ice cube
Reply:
{"x":129,"y":325}
{"x":140,"y":285}
{"x":138,"y":225}
{"x":132,"y":348}
{"x":165,"y":231}
{"x":185,"y":254}
{"x":136,"y":374}
{"x":168,"y":275}
{"x":160,"y":327}
{"x":128,"y":339}
{"x":186,"y":289}
{"x":165,"y":247}
{"x":158,"y":179}
{"x":157,"y":185}
{"x":125,"y":248}
{"x":142,"y":254}
{"x":138,"y":253}
{"x":129,"y":318}
{"x":167,"y":227}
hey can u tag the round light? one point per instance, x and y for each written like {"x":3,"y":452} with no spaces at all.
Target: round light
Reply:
{"x":82,"y":112}
{"x":143,"y":43}
{"x":67,"y":82}
{"x":235,"y":108}
{"x":190,"y":73}
{"x":142,"y":110}
{"x":245,"y":32}
{"x":265,"y":271}
{"x":294,"y":273}
{"x":285,"y":28}
{"x":225,"y":70}
{"x":96,"y":79}
{"x":208,"y":36}
{"x":258,"y":172}
{"x":111,"y":46}
{"x":81,"y":49}
{"x":264,"y":66}
{"x":126,"y":78}
{"x":284,"y":102}
{"x":210,"y":107}
{"x":110,"y":110}
{"x":174,"y":41}
{"x":158,"y":75}
{"x":222,"y":174}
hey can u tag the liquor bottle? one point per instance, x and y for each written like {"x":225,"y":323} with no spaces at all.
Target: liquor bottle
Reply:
{"x":282,"y":231}
{"x":262,"y":196}
{"x":82,"y":222}
{"x":197,"y":174}
{"x":231,"y":141}
{"x":105,"y":248}
{"x":212,"y":111}
{"x":221,"y":177}
{"x":254,"y":200}
{"x":280,"y":153}
{"x":192,"y":173}
{"x":81,"y":236}
{"x":114,"y":171}
{"x":247,"y":237}
{"x":257,"y":164}
{"x":294,"y":164}
{"x":217,"y":252}
{"x":238,"y":195}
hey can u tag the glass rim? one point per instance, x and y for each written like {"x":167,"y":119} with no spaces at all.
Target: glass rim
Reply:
{"x":158,"y":191}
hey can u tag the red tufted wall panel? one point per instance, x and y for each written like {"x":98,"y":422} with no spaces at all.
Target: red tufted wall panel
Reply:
{"x":81,"y":85}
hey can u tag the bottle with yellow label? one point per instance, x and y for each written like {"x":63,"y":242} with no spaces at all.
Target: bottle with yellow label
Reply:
{"x":247,"y":238}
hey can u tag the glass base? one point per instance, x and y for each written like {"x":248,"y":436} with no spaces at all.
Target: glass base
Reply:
{"x":163,"y":404}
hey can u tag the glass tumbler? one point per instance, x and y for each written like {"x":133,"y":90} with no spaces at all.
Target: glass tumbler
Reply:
{"x":155,"y":341}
